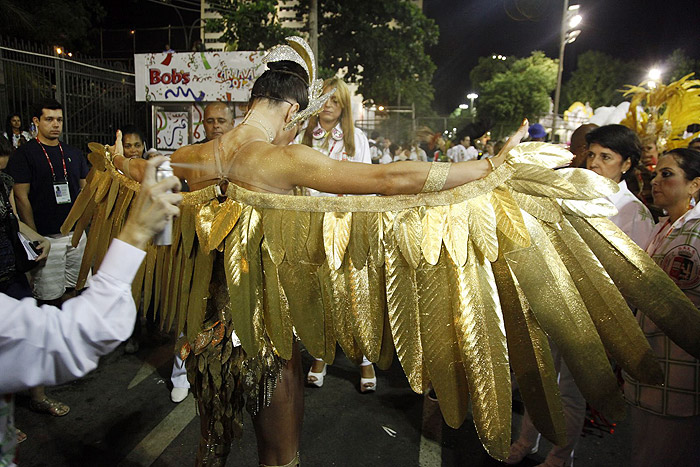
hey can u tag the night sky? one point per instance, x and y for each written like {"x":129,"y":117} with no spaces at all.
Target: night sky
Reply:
{"x":469,"y":29}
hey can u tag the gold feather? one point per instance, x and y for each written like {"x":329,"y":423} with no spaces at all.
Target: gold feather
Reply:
{"x":482,"y":227}
{"x":185,"y":287}
{"x":341,"y":309}
{"x":646,"y":286}
{"x":188,"y":229}
{"x":245,"y":279}
{"x":539,"y":181}
{"x":112,"y":195}
{"x":408,"y":234}
{"x":223,"y":223}
{"x":457,"y":232}
{"x":272,"y":227}
{"x":600,"y":207}
{"x":302,"y":288}
{"x":84,"y":198}
{"x":375,"y":229}
{"x":481,"y":334}
{"x":367,"y":317}
{"x":544,"y":209}
{"x":151,"y":255}
{"x":295,"y":226}
{"x":83,"y":222}
{"x":91,"y":245}
{"x":589,"y":185}
{"x":358,"y":247}
{"x":122,"y":205}
{"x":137,"y":285}
{"x":104,"y":183}
{"x":544,"y":154}
{"x":530,"y":358}
{"x":402,"y":302}
{"x":278,"y":322}
{"x":433,"y":230}
{"x":619,"y":331}
{"x":314,"y":244}
{"x":509,"y":218}
{"x":336,"y":235}
{"x":441,"y":352}
{"x":386,"y":356}
{"x":203,"y":220}
{"x":199,"y":292}
{"x":559,"y":309}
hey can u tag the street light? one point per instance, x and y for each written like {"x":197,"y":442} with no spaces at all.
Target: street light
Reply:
{"x":654,"y":77}
{"x":569,"y":20}
{"x":471,"y":96}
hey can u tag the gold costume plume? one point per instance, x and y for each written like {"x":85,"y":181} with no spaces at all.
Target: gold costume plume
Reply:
{"x":464,"y":284}
{"x":664,"y":112}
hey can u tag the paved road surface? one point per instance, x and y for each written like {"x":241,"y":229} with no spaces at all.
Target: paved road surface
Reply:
{"x":121,"y":415}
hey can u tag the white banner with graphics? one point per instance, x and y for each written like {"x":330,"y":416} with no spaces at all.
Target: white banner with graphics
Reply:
{"x":196,"y":76}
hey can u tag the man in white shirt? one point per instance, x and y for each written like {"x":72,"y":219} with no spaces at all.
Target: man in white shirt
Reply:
{"x":464,"y":151}
{"x":45,"y":345}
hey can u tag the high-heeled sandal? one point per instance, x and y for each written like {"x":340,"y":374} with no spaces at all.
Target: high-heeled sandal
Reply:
{"x":316,"y":379}
{"x":368,"y":384}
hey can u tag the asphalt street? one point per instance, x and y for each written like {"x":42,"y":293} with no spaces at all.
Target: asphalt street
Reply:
{"x":121,"y":415}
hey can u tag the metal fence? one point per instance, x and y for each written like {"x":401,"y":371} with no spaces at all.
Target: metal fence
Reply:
{"x":97,"y":96}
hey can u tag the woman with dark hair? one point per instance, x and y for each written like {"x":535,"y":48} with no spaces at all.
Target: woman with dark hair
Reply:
{"x":666,"y":419}
{"x":14,"y":132}
{"x":256,"y":155}
{"x":613,"y":152}
{"x":134,"y":142}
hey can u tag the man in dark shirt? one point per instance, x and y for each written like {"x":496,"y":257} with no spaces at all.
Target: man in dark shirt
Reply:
{"x":48,"y":176}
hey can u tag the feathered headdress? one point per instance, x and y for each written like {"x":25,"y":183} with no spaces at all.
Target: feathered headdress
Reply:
{"x":298,"y":51}
{"x":664,"y":113}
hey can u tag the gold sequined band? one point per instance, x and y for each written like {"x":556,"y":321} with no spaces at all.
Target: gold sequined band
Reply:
{"x":437,"y":176}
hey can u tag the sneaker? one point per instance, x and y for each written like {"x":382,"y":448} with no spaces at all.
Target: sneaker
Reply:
{"x":178,"y":395}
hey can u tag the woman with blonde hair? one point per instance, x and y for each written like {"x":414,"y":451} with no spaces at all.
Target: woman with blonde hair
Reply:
{"x":333,"y":133}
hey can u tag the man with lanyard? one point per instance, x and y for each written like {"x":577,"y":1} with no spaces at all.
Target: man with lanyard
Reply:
{"x":48,"y":176}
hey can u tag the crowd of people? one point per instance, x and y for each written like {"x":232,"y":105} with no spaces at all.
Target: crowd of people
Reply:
{"x":42,"y":176}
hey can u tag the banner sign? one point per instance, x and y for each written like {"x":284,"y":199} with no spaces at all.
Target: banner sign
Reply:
{"x":196,"y":76}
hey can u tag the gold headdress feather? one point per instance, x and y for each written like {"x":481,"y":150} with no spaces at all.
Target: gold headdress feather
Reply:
{"x":664,"y":112}
{"x":298,"y":51}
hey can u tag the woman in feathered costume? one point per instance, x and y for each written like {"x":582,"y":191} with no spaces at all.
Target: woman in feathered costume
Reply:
{"x":462,"y":280}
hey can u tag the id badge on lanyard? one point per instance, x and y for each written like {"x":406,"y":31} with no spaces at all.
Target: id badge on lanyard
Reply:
{"x":60,"y":189}
{"x":62,"y":193}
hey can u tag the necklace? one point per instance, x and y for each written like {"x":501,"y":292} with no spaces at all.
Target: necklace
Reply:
{"x":250,"y":121}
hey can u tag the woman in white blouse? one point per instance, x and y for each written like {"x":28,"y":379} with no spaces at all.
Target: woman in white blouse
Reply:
{"x":665,"y":420}
{"x":334,"y":134}
{"x":613,"y":151}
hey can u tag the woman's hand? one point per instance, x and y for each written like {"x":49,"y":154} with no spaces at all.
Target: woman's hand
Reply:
{"x":118,"y":148}
{"x":513,"y":141}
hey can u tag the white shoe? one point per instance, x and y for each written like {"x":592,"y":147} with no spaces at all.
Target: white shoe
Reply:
{"x":178,"y":395}
{"x":316,"y":379}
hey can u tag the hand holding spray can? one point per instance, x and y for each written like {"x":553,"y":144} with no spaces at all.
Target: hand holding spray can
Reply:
{"x":164,"y":171}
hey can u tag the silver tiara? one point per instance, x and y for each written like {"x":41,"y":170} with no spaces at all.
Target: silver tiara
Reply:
{"x":298,"y":51}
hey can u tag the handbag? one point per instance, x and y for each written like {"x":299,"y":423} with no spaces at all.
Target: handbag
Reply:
{"x":22,"y":261}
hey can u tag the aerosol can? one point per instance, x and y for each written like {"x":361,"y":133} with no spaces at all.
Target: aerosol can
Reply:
{"x":164,"y":171}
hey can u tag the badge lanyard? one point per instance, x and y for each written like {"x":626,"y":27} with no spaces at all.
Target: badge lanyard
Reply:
{"x":63,"y":159}
{"x":61,"y":190}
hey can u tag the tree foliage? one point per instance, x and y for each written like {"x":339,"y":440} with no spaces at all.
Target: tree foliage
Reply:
{"x":680,"y":64}
{"x":523,"y":90}
{"x":486,"y":68}
{"x":68,"y":23}
{"x":382,"y":45}
{"x":597,"y":80}
{"x":248,"y":25}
